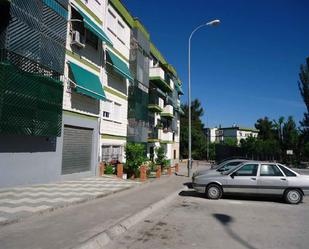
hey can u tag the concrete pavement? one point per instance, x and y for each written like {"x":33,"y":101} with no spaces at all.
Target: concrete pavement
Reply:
{"x":192,"y":221}
{"x":79,"y":226}
{"x":21,"y":202}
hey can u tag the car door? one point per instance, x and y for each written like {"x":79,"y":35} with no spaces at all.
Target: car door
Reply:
{"x":271,"y":180}
{"x":243,"y":180}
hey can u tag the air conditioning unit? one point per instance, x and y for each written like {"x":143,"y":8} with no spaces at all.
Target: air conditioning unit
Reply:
{"x":76,"y":39}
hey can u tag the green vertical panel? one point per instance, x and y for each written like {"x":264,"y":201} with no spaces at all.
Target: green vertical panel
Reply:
{"x":30,"y":104}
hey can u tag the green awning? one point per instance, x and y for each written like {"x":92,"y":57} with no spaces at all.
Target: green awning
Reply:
{"x":90,"y":25}
{"x":119,"y":65}
{"x":86,"y":83}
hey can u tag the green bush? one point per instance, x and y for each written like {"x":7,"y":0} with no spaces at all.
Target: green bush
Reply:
{"x":160,"y":155}
{"x":109,"y":169}
{"x":166,"y":163}
{"x":135,"y":157}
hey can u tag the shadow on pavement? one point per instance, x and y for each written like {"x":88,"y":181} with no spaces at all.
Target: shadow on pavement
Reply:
{"x":188,"y":184}
{"x":256,"y":198}
{"x":226,"y":220}
{"x":193,"y":193}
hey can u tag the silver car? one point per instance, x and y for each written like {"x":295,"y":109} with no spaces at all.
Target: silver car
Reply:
{"x":254,"y":177}
{"x":224,"y":166}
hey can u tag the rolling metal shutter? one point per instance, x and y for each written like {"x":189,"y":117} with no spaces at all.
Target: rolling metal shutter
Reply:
{"x":77,"y":149}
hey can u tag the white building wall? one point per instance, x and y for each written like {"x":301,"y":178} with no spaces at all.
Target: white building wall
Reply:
{"x":118,"y":31}
{"x":115,"y":125}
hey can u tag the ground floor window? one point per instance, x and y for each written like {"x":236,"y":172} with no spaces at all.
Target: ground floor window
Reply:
{"x":112,"y":153}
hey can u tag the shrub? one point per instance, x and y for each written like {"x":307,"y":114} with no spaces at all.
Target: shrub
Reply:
{"x":135,"y":157}
{"x":160,"y":155}
{"x":109,"y":169}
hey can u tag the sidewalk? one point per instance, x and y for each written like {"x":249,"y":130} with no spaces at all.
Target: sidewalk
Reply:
{"x":21,"y":202}
{"x":71,"y":227}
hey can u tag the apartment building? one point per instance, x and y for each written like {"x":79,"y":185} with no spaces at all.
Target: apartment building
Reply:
{"x":236,"y":133}
{"x":164,"y":106}
{"x":86,"y":79}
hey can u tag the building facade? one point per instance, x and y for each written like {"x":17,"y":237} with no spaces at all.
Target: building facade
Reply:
{"x":32,"y":44}
{"x":85,"y":79}
{"x":235,"y":133}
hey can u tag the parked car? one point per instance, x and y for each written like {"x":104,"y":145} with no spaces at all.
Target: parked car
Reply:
{"x":224,"y":166}
{"x":252,"y":177}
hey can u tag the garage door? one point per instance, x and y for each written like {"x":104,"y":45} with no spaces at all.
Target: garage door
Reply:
{"x":77,"y":150}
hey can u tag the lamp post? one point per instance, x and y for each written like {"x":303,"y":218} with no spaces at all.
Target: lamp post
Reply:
{"x":211,"y":23}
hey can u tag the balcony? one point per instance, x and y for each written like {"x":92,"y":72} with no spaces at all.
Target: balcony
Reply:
{"x":153,"y":135}
{"x":158,"y":76}
{"x":166,"y":136}
{"x":156,"y":104}
{"x":168,"y":111}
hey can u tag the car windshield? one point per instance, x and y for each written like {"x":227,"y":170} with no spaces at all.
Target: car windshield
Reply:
{"x":231,"y":169}
{"x":228,"y":165}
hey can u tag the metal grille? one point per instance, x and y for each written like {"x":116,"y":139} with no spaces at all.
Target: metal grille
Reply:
{"x":37,"y":32}
{"x":30,"y":103}
{"x":77,"y":150}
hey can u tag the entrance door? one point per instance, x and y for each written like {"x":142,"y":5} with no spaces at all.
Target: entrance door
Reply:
{"x":77,"y":149}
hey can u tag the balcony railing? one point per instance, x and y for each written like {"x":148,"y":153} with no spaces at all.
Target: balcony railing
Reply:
{"x":166,"y":135}
{"x":168,"y":111}
{"x":153,"y":134}
{"x":162,"y":80}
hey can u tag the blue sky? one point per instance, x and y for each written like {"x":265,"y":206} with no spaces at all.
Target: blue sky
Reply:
{"x":242,"y":70}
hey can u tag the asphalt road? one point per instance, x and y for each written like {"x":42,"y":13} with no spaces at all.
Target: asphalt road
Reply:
{"x":230,"y":223}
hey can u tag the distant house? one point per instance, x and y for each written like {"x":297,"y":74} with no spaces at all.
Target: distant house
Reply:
{"x":235,"y":132}
{"x":211,"y":134}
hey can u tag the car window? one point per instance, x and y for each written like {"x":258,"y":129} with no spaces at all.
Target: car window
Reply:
{"x":229,"y":166}
{"x":270,"y":170}
{"x":287,"y":172}
{"x":247,"y":170}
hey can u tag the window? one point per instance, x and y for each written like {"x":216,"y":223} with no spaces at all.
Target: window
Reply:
{"x":229,"y":166}
{"x":117,"y":112}
{"x":112,"y":153}
{"x":107,"y":109}
{"x":111,"y":22}
{"x":174,"y":154}
{"x":78,"y":25}
{"x":270,"y":170}
{"x":121,"y":32}
{"x":286,"y":171}
{"x":247,"y":170}
{"x":92,"y":39}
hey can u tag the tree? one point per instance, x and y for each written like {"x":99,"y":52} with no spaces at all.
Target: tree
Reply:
{"x":290,"y":134}
{"x":265,"y":127}
{"x":197,"y":133}
{"x":303,"y":85}
{"x":278,"y":126}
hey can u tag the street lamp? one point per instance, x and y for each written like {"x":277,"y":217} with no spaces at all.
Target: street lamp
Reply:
{"x":211,"y":23}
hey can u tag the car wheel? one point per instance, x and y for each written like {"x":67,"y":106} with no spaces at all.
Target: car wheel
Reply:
{"x":214,"y":192}
{"x":293,"y":196}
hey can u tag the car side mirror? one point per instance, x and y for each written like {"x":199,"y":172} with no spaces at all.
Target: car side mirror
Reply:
{"x":233,"y":175}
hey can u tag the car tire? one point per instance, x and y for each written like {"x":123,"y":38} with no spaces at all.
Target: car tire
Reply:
{"x":293,"y":196}
{"x":214,"y":192}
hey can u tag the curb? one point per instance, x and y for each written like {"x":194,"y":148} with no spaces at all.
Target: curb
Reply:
{"x":105,"y":237}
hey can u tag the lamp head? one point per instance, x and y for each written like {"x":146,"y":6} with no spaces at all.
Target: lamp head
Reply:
{"x":215,"y":22}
